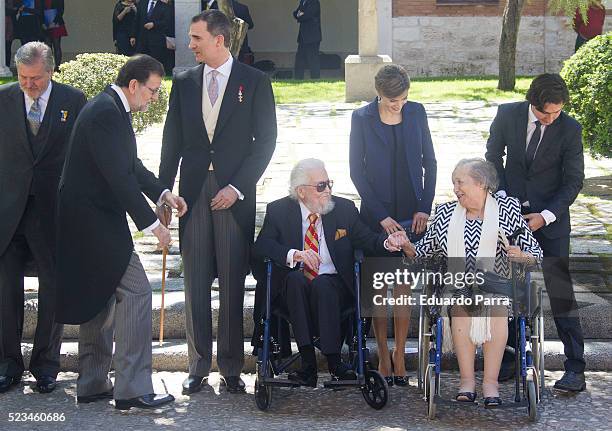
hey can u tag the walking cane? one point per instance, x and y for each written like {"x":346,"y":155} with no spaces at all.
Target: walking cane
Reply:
{"x":163,"y":289}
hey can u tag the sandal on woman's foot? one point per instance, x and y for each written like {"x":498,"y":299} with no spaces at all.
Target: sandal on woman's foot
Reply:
{"x":401,"y":380}
{"x":389,"y":380}
{"x":466,"y":397}
{"x":492,"y":402}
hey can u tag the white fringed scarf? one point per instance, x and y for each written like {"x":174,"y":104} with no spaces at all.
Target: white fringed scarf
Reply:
{"x":480,"y":329}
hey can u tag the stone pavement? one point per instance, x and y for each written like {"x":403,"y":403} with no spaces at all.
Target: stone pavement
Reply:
{"x":307,"y":409}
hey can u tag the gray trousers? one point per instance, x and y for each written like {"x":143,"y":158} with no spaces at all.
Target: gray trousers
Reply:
{"x":213,"y":243}
{"x":128,"y":316}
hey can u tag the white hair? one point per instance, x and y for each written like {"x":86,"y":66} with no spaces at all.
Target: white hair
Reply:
{"x":32,"y":52}
{"x":482,"y":171}
{"x":300,"y":174}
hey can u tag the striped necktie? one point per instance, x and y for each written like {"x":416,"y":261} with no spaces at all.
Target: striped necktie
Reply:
{"x":34,"y":117}
{"x":311,"y":242}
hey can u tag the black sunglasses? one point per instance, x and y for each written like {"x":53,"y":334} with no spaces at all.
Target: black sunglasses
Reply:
{"x":321,"y":186}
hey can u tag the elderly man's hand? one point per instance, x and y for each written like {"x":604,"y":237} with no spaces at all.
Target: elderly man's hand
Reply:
{"x":311,"y":259}
{"x":163,"y":236}
{"x":397,"y":240}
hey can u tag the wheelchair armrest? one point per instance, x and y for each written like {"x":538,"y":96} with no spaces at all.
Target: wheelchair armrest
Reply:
{"x":359,"y":255}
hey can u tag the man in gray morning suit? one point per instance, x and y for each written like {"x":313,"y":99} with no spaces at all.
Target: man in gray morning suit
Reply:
{"x":101,"y":283}
{"x":221,"y":127}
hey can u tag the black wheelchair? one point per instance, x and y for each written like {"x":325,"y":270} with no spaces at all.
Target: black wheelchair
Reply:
{"x":271,"y":363}
{"x":529,"y":339}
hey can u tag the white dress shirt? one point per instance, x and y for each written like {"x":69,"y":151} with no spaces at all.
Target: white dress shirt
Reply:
{"x":43,"y":101}
{"x":126,"y":106}
{"x":548,"y":216}
{"x":222,"y":79}
{"x":326,"y":266}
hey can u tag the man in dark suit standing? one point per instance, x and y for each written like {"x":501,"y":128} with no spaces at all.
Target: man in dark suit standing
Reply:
{"x":36,"y":118}
{"x":151,"y":28}
{"x":102,"y":284}
{"x":319,"y":231}
{"x":308,"y":14}
{"x":544,"y":168}
{"x":222,"y":124}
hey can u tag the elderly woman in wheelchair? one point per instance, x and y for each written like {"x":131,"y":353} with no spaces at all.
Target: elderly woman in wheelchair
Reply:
{"x":472,"y":232}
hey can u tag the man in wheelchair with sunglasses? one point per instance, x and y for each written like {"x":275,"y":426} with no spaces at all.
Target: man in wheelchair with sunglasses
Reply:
{"x":311,"y":236}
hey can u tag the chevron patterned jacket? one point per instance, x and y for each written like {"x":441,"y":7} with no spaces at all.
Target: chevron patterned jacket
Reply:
{"x":435,"y":241}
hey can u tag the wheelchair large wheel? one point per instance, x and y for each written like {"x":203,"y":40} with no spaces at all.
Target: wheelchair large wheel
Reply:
{"x":375,"y":391}
{"x":432,"y":387}
{"x":532,"y":409}
{"x":263,"y":393}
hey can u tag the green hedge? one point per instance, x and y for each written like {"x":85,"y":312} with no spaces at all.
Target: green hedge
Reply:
{"x":91,"y":73}
{"x":588,"y":74}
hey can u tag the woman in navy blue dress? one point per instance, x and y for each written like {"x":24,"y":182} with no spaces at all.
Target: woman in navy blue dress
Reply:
{"x":393,"y":167}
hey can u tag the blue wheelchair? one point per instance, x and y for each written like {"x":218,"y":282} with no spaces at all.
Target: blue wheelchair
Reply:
{"x":527,"y":310}
{"x":271,"y":364}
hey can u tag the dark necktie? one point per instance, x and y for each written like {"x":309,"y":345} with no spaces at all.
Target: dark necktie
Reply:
{"x":151,"y":6}
{"x":533,"y":144}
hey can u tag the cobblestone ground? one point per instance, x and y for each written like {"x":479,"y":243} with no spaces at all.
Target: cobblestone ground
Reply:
{"x":307,"y":409}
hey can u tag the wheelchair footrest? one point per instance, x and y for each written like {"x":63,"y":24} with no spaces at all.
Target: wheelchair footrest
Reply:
{"x":271,"y":381}
{"x":341,"y":383}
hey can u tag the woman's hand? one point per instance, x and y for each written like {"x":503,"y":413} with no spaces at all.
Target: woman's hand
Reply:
{"x":390,"y":225}
{"x":515,"y":254}
{"x":419,"y":222}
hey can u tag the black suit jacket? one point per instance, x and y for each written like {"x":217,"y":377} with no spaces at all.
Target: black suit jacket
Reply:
{"x":159,"y":17}
{"x":555,"y":176}
{"x":20,"y":173}
{"x":310,"y":22}
{"x":103,"y":179}
{"x":243,"y":144}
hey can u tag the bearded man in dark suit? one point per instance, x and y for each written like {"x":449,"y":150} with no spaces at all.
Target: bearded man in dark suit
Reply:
{"x":36,"y":118}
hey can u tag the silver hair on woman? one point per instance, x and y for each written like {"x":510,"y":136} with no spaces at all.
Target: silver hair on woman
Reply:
{"x":300,"y":174}
{"x":32,"y":52}
{"x":482,"y":171}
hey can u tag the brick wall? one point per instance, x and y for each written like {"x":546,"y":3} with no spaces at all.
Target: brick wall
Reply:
{"x":431,"y":8}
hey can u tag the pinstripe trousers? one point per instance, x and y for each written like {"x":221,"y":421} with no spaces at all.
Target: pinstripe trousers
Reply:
{"x":127,"y":316}
{"x":213,"y":244}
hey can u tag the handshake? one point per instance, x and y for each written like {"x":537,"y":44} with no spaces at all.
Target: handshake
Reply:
{"x":164,"y":214}
{"x":398,"y":241}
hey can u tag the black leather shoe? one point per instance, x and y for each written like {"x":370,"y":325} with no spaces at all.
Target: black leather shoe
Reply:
{"x":108,"y":395}
{"x":193,"y":384}
{"x":234,"y":384}
{"x":343,"y":372}
{"x":506,"y":372}
{"x":45,"y":384}
{"x":6,"y":382}
{"x":304,"y":378}
{"x":151,"y":401}
{"x":571,"y":382}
